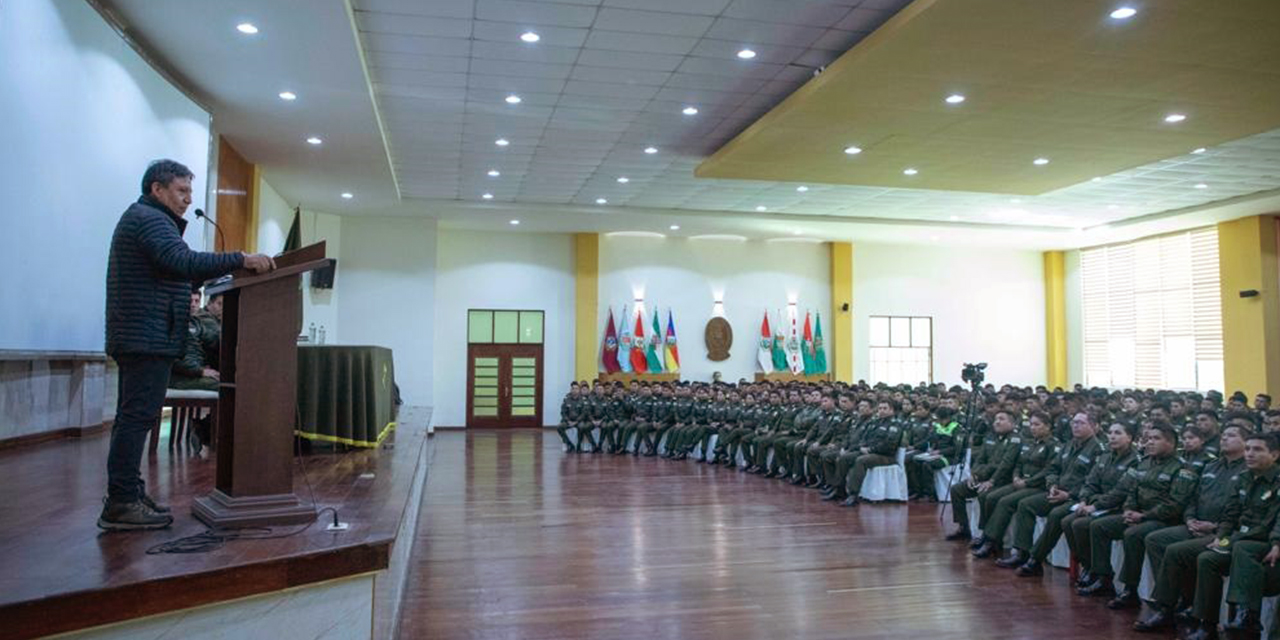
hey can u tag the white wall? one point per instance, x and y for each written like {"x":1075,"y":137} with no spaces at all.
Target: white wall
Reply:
{"x":1075,"y":318}
{"x":476,"y":270}
{"x":987,"y":306}
{"x":387,"y":271}
{"x":82,"y":117}
{"x":688,"y":276}
{"x":319,"y":306}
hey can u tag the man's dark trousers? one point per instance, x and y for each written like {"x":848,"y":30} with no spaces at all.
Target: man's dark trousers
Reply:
{"x":140,"y":399}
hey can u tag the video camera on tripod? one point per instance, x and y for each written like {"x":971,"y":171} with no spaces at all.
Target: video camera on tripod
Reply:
{"x":974,"y":373}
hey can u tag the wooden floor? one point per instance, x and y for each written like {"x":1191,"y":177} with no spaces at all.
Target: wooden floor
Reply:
{"x":518,"y":540}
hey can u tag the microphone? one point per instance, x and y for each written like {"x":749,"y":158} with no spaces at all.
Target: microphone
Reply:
{"x":201,"y":214}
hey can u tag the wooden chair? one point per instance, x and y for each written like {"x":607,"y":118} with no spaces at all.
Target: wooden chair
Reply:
{"x":184,"y":407}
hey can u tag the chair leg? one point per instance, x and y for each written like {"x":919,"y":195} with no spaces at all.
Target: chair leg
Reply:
{"x":175,"y":425}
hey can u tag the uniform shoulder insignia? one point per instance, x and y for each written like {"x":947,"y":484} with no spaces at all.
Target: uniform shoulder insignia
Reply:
{"x":1015,"y":440}
{"x":1187,"y":473}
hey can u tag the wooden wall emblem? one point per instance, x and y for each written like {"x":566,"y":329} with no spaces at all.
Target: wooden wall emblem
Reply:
{"x":719,"y":338}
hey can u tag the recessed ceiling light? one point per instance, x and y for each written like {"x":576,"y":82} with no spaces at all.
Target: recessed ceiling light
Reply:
{"x":530,"y":36}
{"x":1199,"y":150}
{"x":690,"y":111}
{"x":746,"y":54}
{"x":762,"y":208}
{"x":954,"y":218}
{"x":347,"y":195}
{"x":1113,"y":207}
{"x":515,"y":222}
{"x":623,"y":179}
{"x":601,"y":201}
{"x":853,"y":151}
{"x":1124,"y":13}
{"x":933,"y":238}
{"x":796,"y":232}
{"x":650,"y":150}
{"x":493,"y":173}
{"x":909,"y":172}
{"x":513,"y":99}
{"x":502,"y":142}
{"x":314,"y":140}
{"x":246,"y":28}
{"x":674,"y":227}
{"x":1040,"y":162}
{"x":1015,"y":200}
{"x":1201,"y":185}
{"x":955,"y":98}
{"x":1175,"y":117}
{"x":487,"y":196}
{"x":1096,"y":179}
{"x":288,"y":95}
{"x":802,"y":188}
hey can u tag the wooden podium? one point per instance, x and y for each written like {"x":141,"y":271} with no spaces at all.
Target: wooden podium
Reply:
{"x":257,"y":397}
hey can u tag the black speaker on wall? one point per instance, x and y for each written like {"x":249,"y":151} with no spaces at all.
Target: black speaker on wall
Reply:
{"x":322,"y":278}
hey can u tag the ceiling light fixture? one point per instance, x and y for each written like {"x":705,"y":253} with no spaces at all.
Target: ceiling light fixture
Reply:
{"x":493,"y":173}
{"x":853,"y":151}
{"x":601,"y":201}
{"x":746,"y":54}
{"x":909,"y":171}
{"x":513,"y":99}
{"x":1175,"y":118}
{"x":955,"y":98}
{"x":1201,"y":185}
{"x":288,"y":95}
{"x":623,"y":179}
{"x":795,"y":232}
{"x":502,"y":142}
{"x":954,"y":218}
{"x":530,"y":36}
{"x":487,"y":196}
{"x":674,"y":227}
{"x":515,"y":222}
{"x":314,"y":140}
{"x":1096,"y":179}
{"x":246,"y":28}
{"x":1040,"y":162}
{"x":347,"y":195}
{"x":690,"y":111}
{"x":762,"y":208}
{"x":1199,"y":150}
{"x":650,"y":150}
{"x":1124,"y":13}
{"x":802,"y":188}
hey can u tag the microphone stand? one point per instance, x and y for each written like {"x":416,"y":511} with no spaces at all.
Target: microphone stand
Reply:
{"x":222,"y":241}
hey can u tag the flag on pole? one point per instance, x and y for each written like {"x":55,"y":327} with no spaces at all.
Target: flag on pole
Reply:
{"x":765,"y":355}
{"x":793,"y":346}
{"x":624,"y":343}
{"x":672,"y":353}
{"x":806,"y":346}
{"x":638,"y":362}
{"x":610,"y":356}
{"x":779,"y":350}
{"x":655,"y":344}
{"x":819,"y":351}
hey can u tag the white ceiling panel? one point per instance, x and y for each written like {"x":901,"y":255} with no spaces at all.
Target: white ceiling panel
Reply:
{"x":463,"y":9}
{"x":413,"y":25}
{"x":533,"y":14}
{"x":701,"y":7}
{"x":671,"y":24}
{"x":642,"y":42}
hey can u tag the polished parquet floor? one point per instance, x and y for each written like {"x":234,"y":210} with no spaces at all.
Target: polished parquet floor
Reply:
{"x":519,"y":540}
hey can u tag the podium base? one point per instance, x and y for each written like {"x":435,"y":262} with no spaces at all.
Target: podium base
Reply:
{"x":220,"y":510}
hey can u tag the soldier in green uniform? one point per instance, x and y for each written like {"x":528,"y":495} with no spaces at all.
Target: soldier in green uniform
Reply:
{"x":809,"y":457}
{"x":880,"y":444}
{"x":782,"y":429}
{"x":937,"y":448}
{"x":818,"y":454}
{"x":682,"y":411}
{"x":641,"y":401}
{"x":1155,"y":498}
{"x":1254,"y":574}
{"x":619,"y":416}
{"x":1035,"y":457}
{"x":193,"y":370}
{"x":837,"y":462}
{"x":731,"y":414}
{"x":1064,"y":478}
{"x":662,"y":418}
{"x":597,"y":412}
{"x":767,"y":420}
{"x":784,"y":453}
{"x":571,"y":417}
{"x":1209,"y":425}
{"x":1172,"y":551}
{"x":991,"y":466}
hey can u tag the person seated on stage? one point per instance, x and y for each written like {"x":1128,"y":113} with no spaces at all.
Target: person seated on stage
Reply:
{"x":879,"y":448}
{"x":991,"y":467}
{"x":940,"y":447}
{"x":1102,"y":492}
{"x":192,"y":370}
{"x":1172,"y":551}
{"x":571,"y":417}
{"x":1064,"y":479}
{"x":1157,"y":491}
{"x":1029,"y":479}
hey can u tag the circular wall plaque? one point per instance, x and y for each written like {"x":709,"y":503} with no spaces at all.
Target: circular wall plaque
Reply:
{"x":719,"y":338}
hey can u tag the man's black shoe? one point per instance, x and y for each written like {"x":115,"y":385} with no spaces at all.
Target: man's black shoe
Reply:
{"x":1085,"y":578}
{"x":978,"y":541}
{"x":851,"y":501}
{"x":1015,"y":559}
{"x":1158,"y":620}
{"x":1245,"y":624}
{"x":1126,"y":599}
{"x":958,"y":534}
{"x":1201,"y":631}
{"x":1100,"y":587}
{"x":1030,"y":569}
{"x":988,"y":549}
{"x":131,"y":516}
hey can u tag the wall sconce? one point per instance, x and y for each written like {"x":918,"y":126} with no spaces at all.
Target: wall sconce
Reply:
{"x":717,"y":309}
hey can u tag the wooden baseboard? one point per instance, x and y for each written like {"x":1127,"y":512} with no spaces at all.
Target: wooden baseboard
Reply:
{"x":56,"y":434}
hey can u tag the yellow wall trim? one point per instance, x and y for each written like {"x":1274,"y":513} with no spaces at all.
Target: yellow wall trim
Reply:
{"x":1250,"y":326}
{"x":251,"y":233}
{"x":1055,"y":319}
{"x":840,"y":346}
{"x":586,"y":279}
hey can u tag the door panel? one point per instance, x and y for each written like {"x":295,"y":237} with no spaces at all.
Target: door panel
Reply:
{"x":504,"y":385}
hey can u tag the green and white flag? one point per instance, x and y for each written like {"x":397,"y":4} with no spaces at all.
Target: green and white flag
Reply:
{"x":820,"y":352}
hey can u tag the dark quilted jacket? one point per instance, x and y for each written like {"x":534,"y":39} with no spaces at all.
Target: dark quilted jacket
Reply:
{"x":149,"y":276}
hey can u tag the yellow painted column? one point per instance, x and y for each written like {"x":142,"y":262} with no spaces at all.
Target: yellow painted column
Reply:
{"x":840,"y":345}
{"x":586,"y":290}
{"x":1251,"y":325}
{"x":1055,"y":319}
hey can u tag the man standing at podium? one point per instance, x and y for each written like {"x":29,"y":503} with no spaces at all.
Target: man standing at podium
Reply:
{"x":149,"y":276}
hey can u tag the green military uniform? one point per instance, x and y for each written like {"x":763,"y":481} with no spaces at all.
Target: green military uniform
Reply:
{"x":571,"y":416}
{"x":943,"y":440}
{"x":1102,"y":490}
{"x":829,"y":428}
{"x":1251,"y":580}
{"x":210,"y":337}
{"x":663,"y":417}
{"x":1248,"y":521}
{"x":837,"y":461}
{"x":1172,"y":551}
{"x":785,"y":456}
{"x":188,"y":370}
{"x":597,"y":412}
{"x":682,"y":413}
{"x":881,"y":439}
{"x":1068,"y":472}
{"x":641,"y":416}
{"x":1159,"y":488}
{"x":620,"y":411}
{"x":1200,"y":459}
{"x":1035,"y":458}
{"x":739,"y":421}
{"x":993,"y":460}
{"x":783,"y":429}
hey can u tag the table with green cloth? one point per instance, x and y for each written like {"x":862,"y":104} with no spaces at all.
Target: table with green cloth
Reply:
{"x":345,"y":394}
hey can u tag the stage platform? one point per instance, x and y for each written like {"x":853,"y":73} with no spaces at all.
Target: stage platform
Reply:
{"x":62,"y":574}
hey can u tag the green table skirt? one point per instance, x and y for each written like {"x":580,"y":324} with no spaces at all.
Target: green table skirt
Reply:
{"x":345,"y":394}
